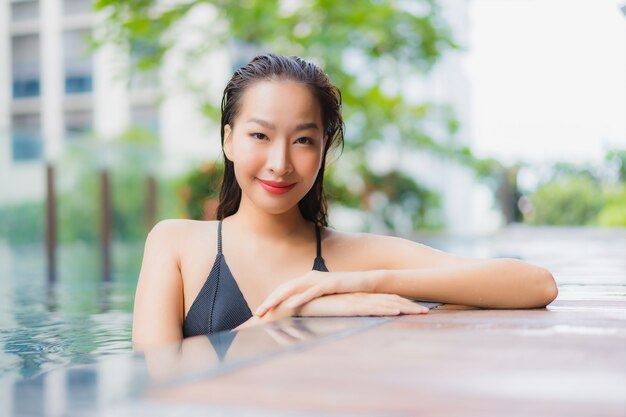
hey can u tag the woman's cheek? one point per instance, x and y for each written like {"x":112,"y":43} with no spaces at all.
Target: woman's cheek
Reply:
{"x":312,"y":165}
{"x":249,"y":158}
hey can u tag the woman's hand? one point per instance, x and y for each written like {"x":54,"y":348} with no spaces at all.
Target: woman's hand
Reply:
{"x":314,"y":284}
{"x":276,"y":314}
{"x":360,"y":304}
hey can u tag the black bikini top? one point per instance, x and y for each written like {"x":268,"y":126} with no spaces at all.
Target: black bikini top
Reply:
{"x":220,"y":305}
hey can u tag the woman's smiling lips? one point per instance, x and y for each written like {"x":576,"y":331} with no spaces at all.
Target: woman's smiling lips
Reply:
{"x":274,"y":187}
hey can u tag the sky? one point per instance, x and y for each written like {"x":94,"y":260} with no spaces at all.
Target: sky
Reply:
{"x":548,"y":78}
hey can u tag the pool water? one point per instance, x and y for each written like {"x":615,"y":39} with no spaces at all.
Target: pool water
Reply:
{"x":75,"y":320}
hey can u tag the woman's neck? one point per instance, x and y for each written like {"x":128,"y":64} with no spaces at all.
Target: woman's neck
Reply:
{"x":270,"y":226}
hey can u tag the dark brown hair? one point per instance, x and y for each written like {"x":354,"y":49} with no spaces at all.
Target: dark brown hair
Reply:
{"x":268,"y":67}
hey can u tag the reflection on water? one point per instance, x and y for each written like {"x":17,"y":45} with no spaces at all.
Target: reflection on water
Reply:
{"x":116,"y":384}
{"x":206,"y":356}
{"x":73,"y":321}
{"x":43,"y":342}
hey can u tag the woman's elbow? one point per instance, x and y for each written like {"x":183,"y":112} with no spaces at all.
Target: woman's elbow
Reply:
{"x":541,"y":288}
{"x":547,"y":288}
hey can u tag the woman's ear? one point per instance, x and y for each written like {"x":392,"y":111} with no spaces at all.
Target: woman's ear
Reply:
{"x":228,"y":142}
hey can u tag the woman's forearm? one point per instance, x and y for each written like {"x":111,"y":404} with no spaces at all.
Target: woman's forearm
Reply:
{"x":492,"y":283}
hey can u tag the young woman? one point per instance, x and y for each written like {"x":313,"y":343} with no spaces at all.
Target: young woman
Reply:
{"x":271,"y":251}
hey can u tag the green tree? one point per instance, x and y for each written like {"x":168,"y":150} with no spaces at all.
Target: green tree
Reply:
{"x":582,"y":194}
{"x":371,"y":50}
{"x":571,"y":200}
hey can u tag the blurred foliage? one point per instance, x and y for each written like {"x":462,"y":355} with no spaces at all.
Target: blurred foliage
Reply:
{"x":581,"y":194}
{"x":129,"y":159}
{"x":617,"y":158}
{"x":614,"y":211}
{"x":371,"y":50}
{"x":22,"y":223}
{"x":398,"y":200}
{"x":572,"y":200}
{"x":200,"y":191}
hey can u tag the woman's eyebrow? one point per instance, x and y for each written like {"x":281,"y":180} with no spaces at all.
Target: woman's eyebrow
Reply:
{"x":271,"y":126}
{"x":306,"y":126}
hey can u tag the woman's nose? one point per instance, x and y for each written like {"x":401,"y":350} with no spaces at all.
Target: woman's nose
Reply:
{"x":279,"y":159}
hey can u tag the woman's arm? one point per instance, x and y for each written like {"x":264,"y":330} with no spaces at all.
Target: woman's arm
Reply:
{"x":491,"y":283}
{"x":413,"y":270}
{"x":158,"y":311}
{"x":418,"y":271}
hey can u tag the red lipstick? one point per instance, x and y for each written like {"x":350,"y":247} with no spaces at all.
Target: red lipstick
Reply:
{"x":274,"y":187}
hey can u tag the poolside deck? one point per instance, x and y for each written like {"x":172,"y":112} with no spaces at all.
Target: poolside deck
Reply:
{"x":566,"y":360}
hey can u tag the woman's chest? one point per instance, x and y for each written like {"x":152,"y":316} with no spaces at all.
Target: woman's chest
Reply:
{"x":254,"y":273}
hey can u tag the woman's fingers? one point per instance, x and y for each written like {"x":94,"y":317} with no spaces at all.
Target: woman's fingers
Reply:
{"x":282,"y":292}
{"x":288,"y":289}
{"x":360,"y":304}
{"x":415,"y":309}
{"x":403,"y":305}
{"x":411,"y":307}
{"x":296,"y":293}
{"x":315,"y":284}
{"x":313,"y":292}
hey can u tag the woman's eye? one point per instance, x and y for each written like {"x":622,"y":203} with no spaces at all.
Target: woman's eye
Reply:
{"x":305,"y":140}
{"x":260,"y":136}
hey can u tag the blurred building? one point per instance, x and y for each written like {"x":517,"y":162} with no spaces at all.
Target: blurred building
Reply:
{"x":53,"y":91}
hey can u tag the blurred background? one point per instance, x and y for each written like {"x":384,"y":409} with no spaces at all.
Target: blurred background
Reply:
{"x":463,"y":117}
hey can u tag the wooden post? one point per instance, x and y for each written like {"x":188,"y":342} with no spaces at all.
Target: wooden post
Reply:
{"x":151,"y":195}
{"x":51,"y":231}
{"x":105,"y":225}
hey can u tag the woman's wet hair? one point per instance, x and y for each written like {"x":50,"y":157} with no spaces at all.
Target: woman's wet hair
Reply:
{"x":273,"y":67}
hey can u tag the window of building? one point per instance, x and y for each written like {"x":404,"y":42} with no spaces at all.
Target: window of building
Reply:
{"x":143,"y":80}
{"x":71,"y":7}
{"x":78,"y":62}
{"x":145,"y":118}
{"x":25,"y":65}
{"x":78,"y":123}
{"x":24,"y":10}
{"x":26,"y":141}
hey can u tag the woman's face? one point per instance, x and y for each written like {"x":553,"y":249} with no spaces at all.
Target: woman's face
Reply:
{"x":276,"y":144}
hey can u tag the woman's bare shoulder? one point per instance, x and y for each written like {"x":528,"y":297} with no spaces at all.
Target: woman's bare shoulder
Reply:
{"x":351,"y":250}
{"x":387,"y":252}
{"x":176,"y":228}
{"x":177,"y":236}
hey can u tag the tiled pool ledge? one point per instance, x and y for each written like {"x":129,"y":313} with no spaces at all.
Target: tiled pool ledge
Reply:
{"x":540,"y":362}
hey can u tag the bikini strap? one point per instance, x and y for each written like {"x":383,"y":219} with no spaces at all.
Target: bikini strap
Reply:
{"x":319,"y":241}
{"x":219,"y":238}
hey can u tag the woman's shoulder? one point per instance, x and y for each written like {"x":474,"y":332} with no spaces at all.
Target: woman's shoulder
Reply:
{"x":342,"y":238}
{"x":359,"y":250}
{"x":175,"y":233}
{"x":376,"y":251}
{"x":177,"y":226}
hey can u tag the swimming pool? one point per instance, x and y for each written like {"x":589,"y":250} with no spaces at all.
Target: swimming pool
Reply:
{"x":75,"y":320}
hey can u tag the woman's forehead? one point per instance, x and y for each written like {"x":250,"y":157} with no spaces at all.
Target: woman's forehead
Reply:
{"x":280,"y":101}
